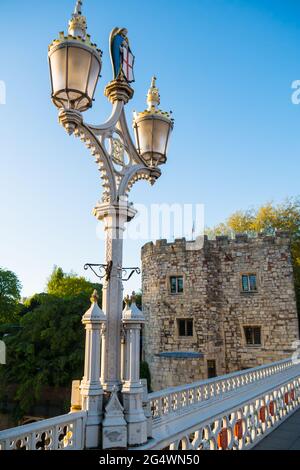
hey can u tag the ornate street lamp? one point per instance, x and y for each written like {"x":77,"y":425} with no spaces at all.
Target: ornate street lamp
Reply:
{"x":75,"y":65}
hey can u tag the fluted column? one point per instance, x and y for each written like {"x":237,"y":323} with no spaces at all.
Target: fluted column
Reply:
{"x":91,"y":389}
{"x":132,"y":390}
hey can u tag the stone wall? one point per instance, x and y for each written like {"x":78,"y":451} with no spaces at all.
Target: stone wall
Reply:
{"x":213,"y":298}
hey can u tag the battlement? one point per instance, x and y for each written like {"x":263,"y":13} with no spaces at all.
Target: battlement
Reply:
{"x":181,"y":244}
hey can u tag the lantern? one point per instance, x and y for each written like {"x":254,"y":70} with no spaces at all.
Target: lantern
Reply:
{"x":152,"y":129}
{"x":75,"y":65}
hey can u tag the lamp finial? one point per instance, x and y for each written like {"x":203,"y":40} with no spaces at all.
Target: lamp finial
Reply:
{"x":94,"y":297}
{"x":153,"y":97}
{"x":77,"y":24}
{"x":78,"y":8}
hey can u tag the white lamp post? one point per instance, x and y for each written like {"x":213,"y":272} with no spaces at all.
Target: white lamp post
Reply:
{"x":75,"y":65}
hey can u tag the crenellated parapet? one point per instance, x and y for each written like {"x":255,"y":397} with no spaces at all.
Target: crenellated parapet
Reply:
{"x":163,"y":246}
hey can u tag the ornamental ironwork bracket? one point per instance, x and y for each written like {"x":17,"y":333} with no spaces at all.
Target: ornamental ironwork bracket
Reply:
{"x":104,"y":270}
{"x":125,"y":273}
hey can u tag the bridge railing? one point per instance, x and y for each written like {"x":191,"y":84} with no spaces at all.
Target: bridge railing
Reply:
{"x":235,"y":411}
{"x":60,"y":433}
{"x":181,"y":398}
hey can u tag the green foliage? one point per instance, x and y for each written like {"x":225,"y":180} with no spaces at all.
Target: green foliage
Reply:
{"x":47,"y":348}
{"x":10,"y":294}
{"x":145,"y":373}
{"x":69,"y":285}
{"x":138,"y":300}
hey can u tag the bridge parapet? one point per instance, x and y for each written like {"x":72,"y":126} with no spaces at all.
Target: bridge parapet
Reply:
{"x":60,"y":433}
{"x":235,"y":411}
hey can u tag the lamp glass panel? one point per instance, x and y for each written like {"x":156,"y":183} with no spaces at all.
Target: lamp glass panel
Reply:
{"x":145,"y":133}
{"x":160,"y":135}
{"x":58,"y":69}
{"x":78,"y":68}
{"x":94,"y":74}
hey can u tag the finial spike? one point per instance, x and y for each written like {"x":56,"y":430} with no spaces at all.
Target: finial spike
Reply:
{"x":153,"y":98}
{"x":153,"y":83}
{"x":78,"y":8}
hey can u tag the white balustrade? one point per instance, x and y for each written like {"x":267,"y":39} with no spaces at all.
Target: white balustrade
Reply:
{"x":208,"y":389}
{"x":60,"y":433}
{"x":235,"y":411}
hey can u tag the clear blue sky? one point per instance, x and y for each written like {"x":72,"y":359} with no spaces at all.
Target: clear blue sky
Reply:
{"x":224,"y":67}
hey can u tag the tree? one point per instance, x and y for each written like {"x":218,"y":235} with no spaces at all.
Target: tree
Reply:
{"x":48,"y":347}
{"x":10,"y":294}
{"x":267,"y":219}
{"x":65,"y":285}
{"x":47,"y":350}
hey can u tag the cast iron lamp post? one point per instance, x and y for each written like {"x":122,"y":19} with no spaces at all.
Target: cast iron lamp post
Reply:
{"x":75,"y":65}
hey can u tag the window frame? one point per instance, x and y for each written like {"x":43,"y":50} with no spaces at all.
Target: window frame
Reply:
{"x":253,"y":328}
{"x":186,"y":320}
{"x":176,"y":277}
{"x":248,"y":275}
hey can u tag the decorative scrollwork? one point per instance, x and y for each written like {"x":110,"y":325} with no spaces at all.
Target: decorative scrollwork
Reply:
{"x":118,"y":151}
{"x":116,"y":182}
{"x":128,"y":276}
{"x":104,"y":269}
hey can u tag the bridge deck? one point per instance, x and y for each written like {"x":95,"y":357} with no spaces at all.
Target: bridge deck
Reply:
{"x":285,"y":437}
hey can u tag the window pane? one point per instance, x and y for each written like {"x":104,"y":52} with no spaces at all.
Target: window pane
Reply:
{"x":257,"y":335}
{"x":180,"y":284}
{"x":248,"y":335}
{"x":252,"y":281}
{"x":245,"y":283}
{"x":181,"y":324}
{"x":189,"y":327}
{"x":173,"y":285}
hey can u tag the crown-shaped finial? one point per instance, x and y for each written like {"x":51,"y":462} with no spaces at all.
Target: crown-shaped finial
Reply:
{"x":153,"y":98}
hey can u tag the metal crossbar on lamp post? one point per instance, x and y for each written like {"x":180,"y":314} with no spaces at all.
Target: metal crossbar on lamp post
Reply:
{"x":75,"y":65}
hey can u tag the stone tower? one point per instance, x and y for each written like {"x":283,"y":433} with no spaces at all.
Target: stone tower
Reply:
{"x":227,"y":306}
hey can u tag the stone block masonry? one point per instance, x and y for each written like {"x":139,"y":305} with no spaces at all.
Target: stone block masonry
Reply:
{"x":230,"y":328}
